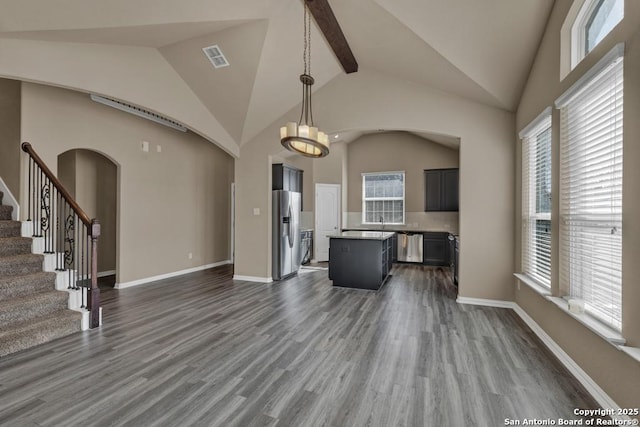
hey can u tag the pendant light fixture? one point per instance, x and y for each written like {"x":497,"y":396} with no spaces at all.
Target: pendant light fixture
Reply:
{"x":303,"y":137}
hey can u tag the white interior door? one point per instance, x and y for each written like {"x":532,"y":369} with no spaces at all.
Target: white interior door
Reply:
{"x":327,"y":218}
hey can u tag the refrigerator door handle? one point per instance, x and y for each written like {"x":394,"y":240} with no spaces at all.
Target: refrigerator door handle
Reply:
{"x":289,"y":234}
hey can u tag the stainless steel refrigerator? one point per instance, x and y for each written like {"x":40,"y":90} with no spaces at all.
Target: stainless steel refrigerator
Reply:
{"x":286,"y":253}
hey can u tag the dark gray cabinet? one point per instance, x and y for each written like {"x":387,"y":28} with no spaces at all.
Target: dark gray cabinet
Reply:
{"x":441,"y":190}
{"x":287,"y":178}
{"x":359,"y":263}
{"x":456,"y":264}
{"x":436,"y":248}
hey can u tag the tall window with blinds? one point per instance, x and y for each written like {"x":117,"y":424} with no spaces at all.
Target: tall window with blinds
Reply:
{"x":536,"y":199}
{"x":591,"y":142}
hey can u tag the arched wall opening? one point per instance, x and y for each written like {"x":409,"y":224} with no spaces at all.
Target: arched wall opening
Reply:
{"x":92,"y":179}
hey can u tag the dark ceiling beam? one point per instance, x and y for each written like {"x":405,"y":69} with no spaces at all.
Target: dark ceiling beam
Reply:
{"x":329,"y":26}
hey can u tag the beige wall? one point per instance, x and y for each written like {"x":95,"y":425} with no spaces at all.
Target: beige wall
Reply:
{"x":171,"y":203}
{"x":399,"y":151}
{"x":10,"y":134}
{"x":135,"y":74}
{"x":92,"y":180}
{"x":615,"y":372}
{"x":327,"y":170}
{"x":67,"y":171}
{"x":368,"y":100}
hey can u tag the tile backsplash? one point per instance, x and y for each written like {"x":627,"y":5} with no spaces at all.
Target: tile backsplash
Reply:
{"x":432,"y":221}
{"x":306,"y":220}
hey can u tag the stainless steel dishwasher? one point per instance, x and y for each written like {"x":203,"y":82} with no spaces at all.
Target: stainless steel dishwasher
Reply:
{"x":410,"y":247}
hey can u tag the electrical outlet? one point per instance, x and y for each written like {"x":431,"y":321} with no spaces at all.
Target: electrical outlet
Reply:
{"x":190,"y":255}
{"x":256,"y":211}
{"x":145,"y":146}
{"x":159,"y":148}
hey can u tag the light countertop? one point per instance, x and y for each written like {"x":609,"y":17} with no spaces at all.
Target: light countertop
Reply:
{"x":364,"y":235}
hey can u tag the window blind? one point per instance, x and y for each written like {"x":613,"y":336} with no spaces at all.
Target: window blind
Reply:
{"x":591,"y":192}
{"x":536,"y":199}
{"x":383,"y":197}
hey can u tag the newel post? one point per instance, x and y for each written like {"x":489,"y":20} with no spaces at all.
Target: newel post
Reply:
{"x":94,"y":291}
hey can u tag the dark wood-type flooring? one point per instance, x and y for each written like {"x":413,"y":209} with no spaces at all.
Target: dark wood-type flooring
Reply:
{"x":203,"y":350}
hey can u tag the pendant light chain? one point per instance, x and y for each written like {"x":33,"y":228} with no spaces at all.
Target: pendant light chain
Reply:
{"x":306,"y":54}
{"x":303,"y":137}
{"x":307,"y":48}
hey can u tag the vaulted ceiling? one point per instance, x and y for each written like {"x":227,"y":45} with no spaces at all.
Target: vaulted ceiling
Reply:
{"x":478,"y":50}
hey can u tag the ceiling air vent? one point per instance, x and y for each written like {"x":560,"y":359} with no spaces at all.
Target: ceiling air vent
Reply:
{"x":137,"y":111}
{"x":216,"y":56}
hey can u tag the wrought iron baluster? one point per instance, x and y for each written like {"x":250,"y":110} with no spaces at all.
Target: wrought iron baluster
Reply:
{"x":45,"y":218}
{"x":30,"y":190}
{"x":59,"y":240}
{"x":82,"y":272}
{"x":66,"y":231}
{"x":69,"y":249}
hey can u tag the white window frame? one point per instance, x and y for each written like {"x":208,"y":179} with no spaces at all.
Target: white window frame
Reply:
{"x":366,"y":199}
{"x":578,"y":30}
{"x":591,"y":162}
{"x":541,"y":274}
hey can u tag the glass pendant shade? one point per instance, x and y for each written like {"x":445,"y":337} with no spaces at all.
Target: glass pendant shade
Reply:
{"x":304,"y":139}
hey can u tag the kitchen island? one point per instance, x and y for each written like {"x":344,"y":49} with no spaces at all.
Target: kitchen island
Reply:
{"x":360,"y":259}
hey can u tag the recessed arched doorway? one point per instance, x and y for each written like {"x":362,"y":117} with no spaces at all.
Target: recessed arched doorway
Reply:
{"x":92,"y":180}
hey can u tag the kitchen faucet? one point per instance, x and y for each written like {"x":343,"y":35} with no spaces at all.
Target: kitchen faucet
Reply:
{"x":382,"y":221}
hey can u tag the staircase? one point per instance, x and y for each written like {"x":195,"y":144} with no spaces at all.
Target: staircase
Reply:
{"x":32,"y":311}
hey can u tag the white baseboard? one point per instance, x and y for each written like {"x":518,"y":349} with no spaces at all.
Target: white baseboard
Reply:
{"x":486,"y":302}
{"x":253,"y":279}
{"x":106,"y":273}
{"x":169,"y":275}
{"x":603,"y":399}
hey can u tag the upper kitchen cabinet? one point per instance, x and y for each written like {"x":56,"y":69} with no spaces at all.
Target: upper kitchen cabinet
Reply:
{"x":286,"y":178}
{"x":441,"y":190}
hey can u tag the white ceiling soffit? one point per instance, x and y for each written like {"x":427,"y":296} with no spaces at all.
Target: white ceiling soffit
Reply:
{"x":477,"y":50}
{"x":351,"y":135}
{"x":491,"y":41}
{"x":227,"y":91}
{"x":38,"y":15}
{"x":141,"y":35}
{"x":277,"y":89}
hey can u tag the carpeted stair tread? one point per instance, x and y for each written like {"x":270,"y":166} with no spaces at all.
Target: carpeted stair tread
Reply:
{"x":26,"y":284}
{"x":10,"y":228}
{"x":38,"y":331}
{"x":5,"y":211}
{"x":20,"y":264}
{"x":32,"y":306}
{"x":15,"y":246}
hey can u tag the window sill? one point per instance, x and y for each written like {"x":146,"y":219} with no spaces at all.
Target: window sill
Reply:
{"x":634,"y":352}
{"x":593,"y":325}
{"x":533,"y":284}
{"x":608,"y":334}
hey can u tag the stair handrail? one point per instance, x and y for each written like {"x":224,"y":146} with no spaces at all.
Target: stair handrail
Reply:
{"x":28,"y":148}
{"x":92,"y":226}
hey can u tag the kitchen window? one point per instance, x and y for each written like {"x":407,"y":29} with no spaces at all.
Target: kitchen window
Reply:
{"x":536,"y":199}
{"x":383,"y":198}
{"x":591,"y":143}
